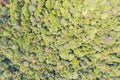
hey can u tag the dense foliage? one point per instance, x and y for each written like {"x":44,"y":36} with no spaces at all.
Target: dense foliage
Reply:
{"x":60,"y":40}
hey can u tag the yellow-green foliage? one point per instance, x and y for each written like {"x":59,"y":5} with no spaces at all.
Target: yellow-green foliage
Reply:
{"x":60,"y":40}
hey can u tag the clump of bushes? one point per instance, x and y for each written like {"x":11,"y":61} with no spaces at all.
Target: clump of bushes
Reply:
{"x":60,"y":40}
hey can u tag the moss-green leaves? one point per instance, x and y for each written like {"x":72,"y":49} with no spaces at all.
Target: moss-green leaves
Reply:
{"x":70,"y":39}
{"x":48,"y":4}
{"x":32,"y":8}
{"x":25,"y":11}
{"x":104,"y":16}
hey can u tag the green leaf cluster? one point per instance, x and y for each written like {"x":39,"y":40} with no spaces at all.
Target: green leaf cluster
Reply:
{"x":60,"y":40}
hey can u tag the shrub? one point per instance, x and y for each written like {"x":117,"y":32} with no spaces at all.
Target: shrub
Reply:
{"x":60,"y":39}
